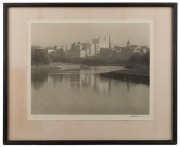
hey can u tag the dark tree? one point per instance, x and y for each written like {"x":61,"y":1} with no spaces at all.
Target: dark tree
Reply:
{"x":39,"y":58}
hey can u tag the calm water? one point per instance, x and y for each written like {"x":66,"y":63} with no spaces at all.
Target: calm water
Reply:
{"x":84,"y":91}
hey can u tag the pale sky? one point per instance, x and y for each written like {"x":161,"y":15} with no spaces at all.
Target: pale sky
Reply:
{"x":59,"y":34}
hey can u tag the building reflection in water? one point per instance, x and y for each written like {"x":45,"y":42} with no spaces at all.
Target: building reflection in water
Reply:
{"x":86,"y":92}
{"x":83,"y":79}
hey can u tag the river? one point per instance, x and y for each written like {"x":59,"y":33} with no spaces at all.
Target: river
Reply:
{"x":84,"y":91}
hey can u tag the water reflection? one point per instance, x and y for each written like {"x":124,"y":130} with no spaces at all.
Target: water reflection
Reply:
{"x":78,"y":81}
{"x":38,"y":79}
{"x":86,"y":92}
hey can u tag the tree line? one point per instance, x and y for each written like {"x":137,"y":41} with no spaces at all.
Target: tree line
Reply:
{"x":40,"y":58}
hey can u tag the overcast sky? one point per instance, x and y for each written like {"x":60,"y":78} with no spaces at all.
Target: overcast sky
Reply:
{"x":48,"y":34}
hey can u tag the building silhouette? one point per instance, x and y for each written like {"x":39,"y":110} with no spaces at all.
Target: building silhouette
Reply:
{"x":98,"y":45}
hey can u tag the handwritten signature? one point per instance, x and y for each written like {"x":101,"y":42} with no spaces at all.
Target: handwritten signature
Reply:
{"x":135,"y":116}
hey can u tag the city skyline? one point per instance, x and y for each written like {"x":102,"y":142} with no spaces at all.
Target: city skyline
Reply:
{"x":61,"y":34}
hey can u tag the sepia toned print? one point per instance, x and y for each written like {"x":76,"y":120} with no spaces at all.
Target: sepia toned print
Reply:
{"x":90,"y":70}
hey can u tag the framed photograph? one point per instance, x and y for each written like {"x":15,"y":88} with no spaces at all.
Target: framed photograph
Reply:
{"x":90,"y":73}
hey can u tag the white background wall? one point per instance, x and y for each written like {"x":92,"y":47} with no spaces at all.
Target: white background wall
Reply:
{"x":26,"y":1}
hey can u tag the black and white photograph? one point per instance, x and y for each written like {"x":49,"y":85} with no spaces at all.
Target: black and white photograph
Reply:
{"x":90,"y":69}
{"x":90,"y":73}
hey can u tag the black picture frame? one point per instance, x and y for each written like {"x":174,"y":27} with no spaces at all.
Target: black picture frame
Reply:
{"x":6,"y":6}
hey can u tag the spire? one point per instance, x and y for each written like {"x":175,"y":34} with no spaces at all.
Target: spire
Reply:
{"x":109,"y":42}
{"x":128,"y":43}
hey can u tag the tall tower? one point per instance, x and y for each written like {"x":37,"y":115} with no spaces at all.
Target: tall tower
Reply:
{"x":109,"y":42}
{"x":128,"y":43}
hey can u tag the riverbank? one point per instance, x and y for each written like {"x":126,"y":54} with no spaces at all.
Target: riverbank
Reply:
{"x":138,"y":74}
{"x":57,"y":67}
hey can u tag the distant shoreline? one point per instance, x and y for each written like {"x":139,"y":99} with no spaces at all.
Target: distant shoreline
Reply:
{"x":56,"y":66}
{"x":136,"y":74}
